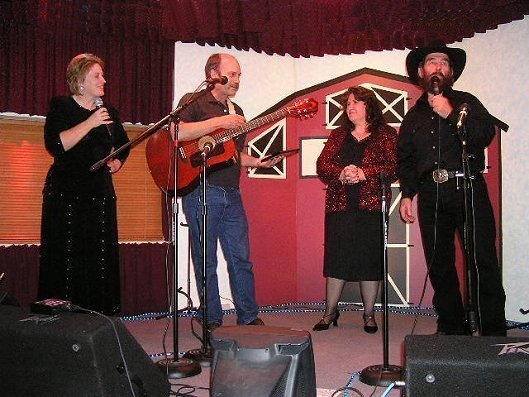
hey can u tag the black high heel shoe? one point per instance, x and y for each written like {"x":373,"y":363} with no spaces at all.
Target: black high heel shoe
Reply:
{"x":323,"y":325}
{"x":370,"y":329}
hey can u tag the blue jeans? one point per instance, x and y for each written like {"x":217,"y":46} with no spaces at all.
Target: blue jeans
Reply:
{"x":227,"y":223}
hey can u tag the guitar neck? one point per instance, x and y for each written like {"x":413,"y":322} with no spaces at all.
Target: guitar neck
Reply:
{"x":226,"y":135}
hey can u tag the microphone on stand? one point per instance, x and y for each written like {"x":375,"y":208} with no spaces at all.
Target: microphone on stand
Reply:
{"x":435,"y":85}
{"x":463,"y":112}
{"x":206,"y":144}
{"x":223,"y":80}
{"x":98,"y":102}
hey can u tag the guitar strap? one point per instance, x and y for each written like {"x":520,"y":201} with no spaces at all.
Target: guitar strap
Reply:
{"x":231,"y":110}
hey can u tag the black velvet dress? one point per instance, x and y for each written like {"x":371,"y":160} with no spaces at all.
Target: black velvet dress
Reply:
{"x":353,"y":239}
{"x":79,"y":258}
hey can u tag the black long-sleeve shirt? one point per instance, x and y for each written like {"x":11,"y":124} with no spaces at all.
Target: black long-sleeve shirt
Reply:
{"x":426,"y":141}
{"x":70,"y":172}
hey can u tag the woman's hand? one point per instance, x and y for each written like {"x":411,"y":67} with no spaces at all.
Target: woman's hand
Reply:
{"x":352,"y":174}
{"x":114,"y":165}
{"x":100,"y":116}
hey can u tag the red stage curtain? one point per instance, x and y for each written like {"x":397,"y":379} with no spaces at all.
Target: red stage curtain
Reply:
{"x":317,"y":27}
{"x":39,"y":37}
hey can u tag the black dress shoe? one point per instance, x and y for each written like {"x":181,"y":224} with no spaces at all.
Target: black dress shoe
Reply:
{"x":257,"y":321}
{"x":370,"y":328}
{"x":326,"y":321}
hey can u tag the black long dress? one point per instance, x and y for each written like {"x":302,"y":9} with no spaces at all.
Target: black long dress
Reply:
{"x":79,"y":258}
{"x":353,"y":240}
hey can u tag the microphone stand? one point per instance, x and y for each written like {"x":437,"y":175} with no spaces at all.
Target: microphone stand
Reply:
{"x":188,"y":280}
{"x":177,"y":367}
{"x":184,"y":366}
{"x":203,"y":355}
{"x":385,"y":374}
{"x":468,"y":232}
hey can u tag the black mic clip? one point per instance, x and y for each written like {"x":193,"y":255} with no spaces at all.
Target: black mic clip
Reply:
{"x":222,"y":80}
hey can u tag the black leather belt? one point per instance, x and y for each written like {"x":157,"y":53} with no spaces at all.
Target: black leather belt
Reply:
{"x":440,"y":175}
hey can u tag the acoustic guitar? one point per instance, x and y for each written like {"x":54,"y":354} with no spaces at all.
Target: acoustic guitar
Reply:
{"x":219,"y":146}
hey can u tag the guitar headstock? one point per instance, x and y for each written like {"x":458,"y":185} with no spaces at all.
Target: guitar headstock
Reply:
{"x":304,"y":108}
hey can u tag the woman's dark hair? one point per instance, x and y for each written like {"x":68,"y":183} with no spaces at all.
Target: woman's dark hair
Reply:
{"x":374,"y":117}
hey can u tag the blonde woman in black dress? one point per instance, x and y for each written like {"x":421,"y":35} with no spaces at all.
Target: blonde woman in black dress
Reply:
{"x":79,"y":258}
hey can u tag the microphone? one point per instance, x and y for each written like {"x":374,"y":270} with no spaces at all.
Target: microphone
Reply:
{"x":220,"y":80}
{"x":463,"y":111}
{"x":98,"y":102}
{"x":206,"y":144}
{"x":435,"y":85}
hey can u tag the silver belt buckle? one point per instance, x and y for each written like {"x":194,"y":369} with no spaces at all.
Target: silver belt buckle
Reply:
{"x":440,"y":175}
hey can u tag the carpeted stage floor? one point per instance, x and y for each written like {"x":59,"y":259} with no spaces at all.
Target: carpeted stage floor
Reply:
{"x":340,"y":353}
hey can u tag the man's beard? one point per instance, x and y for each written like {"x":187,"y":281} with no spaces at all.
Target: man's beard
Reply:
{"x":444,"y":82}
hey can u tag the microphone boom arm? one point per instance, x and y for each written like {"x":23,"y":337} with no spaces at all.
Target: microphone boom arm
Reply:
{"x":174,"y":115}
{"x":144,"y":135}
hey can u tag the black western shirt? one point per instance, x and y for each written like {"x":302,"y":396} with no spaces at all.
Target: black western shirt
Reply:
{"x":427,"y":142}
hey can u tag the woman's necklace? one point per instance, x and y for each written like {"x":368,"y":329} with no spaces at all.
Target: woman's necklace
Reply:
{"x":360,"y":133}
{"x":81,"y":104}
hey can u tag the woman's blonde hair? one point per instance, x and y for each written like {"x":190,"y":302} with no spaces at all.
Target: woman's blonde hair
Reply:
{"x":78,"y":69}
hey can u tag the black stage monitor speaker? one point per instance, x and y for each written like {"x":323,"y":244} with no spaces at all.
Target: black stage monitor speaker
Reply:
{"x":466,"y":366}
{"x":261,"y":361}
{"x":73,"y":354}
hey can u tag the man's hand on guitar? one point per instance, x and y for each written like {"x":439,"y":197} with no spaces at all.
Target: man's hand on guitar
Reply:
{"x":196,"y":129}
{"x":221,"y":128}
{"x":230,"y":121}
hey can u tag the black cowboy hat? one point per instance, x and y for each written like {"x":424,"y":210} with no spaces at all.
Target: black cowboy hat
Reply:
{"x":457,"y":56}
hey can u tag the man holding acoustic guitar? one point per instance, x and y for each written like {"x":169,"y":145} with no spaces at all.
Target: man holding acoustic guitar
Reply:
{"x":200,"y":121}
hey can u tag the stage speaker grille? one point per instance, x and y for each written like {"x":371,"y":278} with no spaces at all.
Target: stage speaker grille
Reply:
{"x":261,"y":361}
{"x":466,"y":366}
{"x":73,"y":355}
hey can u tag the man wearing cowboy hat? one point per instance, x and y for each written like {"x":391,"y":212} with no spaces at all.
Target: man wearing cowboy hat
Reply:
{"x":429,"y":164}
